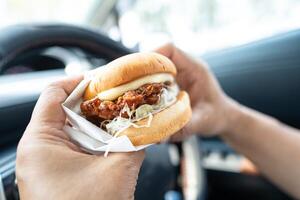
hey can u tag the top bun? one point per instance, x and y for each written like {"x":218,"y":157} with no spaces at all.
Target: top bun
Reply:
{"x":126,"y":69}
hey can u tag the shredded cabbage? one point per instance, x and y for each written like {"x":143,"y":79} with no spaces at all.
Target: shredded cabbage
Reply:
{"x":143,"y":111}
{"x":119,"y":124}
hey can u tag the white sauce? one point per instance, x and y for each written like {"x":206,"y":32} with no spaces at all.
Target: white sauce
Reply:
{"x":115,"y":92}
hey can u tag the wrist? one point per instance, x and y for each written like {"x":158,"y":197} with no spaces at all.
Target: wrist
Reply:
{"x":234,"y":112}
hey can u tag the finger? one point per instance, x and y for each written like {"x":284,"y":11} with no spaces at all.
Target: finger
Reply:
{"x":136,"y":157}
{"x":178,"y":57}
{"x":166,"y":50}
{"x":68,"y":84}
{"x":181,"y":135}
{"x":48,"y":108}
{"x":131,"y":161}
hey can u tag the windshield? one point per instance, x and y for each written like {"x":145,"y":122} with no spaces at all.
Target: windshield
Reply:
{"x":196,"y":26}
{"x":20,"y":11}
{"x":205,"y":25}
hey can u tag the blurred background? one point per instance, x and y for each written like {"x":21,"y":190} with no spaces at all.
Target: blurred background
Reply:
{"x":211,"y":24}
{"x":252,"y":47}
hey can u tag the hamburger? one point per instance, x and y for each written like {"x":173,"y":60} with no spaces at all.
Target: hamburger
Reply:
{"x":136,"y":95}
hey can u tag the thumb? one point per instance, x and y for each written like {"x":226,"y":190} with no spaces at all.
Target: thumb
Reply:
{"x":48,"y":109}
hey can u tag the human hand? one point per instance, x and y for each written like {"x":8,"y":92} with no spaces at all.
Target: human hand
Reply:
{"x":210,"y":105}
{"x":50,"y":166}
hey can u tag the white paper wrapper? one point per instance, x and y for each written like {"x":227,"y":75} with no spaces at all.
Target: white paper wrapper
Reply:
{"x":90,"y":137}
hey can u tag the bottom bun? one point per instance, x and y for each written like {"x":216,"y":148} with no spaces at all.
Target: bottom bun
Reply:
{"x":164,"y":124}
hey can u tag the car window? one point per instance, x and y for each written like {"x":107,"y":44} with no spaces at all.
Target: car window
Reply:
{"x":204,"y":25}
{"x":196,"y":26}
{"x":18,"y":11}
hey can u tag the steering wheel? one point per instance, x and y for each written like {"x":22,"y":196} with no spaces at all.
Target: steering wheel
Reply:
{"x":166,"y":166}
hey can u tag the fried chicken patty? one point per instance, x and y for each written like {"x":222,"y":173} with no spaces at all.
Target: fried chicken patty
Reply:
{"x":146,"y":94}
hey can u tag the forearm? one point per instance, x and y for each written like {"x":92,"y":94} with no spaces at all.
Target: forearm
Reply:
{"x":271,"y":145}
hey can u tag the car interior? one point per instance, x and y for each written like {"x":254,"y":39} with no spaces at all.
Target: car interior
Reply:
{"x":262,"y":74}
